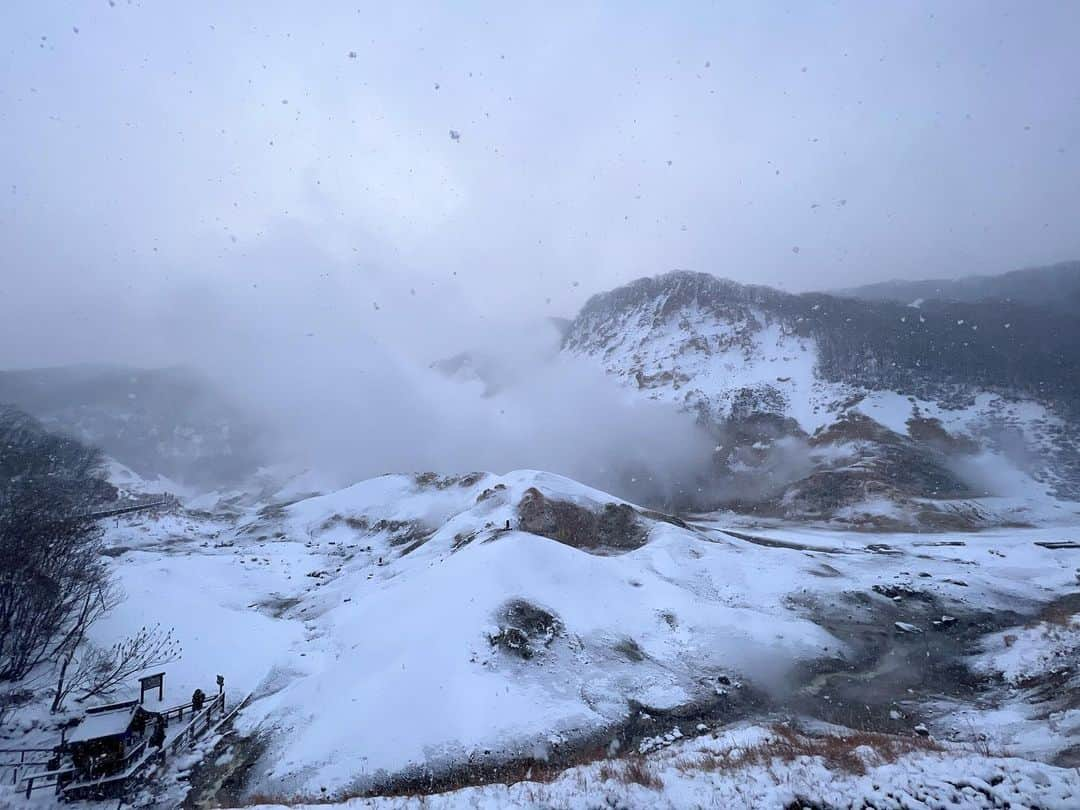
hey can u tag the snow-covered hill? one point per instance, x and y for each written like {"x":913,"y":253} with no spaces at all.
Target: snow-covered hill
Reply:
{"x":892,"y":405}
{"x":397,"y":634}
{"x":441,"y":635}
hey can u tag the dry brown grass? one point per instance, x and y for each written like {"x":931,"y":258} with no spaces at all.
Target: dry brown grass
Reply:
{"x":851,"y":752}
{"x":844,"y":752}
{"x":1061,"y":614}
{"x":637,"y":771}
{"x":632,"y":770}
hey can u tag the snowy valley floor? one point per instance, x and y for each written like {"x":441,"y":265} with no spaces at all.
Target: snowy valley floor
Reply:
{"x":396,"y":637}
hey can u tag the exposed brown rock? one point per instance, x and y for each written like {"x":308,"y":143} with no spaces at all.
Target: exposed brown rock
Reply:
{"x":614,"y":526}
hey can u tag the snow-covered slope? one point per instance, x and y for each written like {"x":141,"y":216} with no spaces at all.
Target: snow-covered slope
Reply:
{"x":435,"y":633}
{"x":397,"y":634}
{"x":766,"y":370}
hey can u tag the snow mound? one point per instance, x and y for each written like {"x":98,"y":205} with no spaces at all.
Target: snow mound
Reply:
{"x":405,"y":664}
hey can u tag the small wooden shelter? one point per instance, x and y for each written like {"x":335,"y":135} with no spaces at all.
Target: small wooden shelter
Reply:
{"x":100,"y":744}
{"x":100,"y":753}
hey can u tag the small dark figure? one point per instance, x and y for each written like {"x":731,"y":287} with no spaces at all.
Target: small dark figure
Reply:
{"x":157,"y":738}
{"x":198,"y":699}
{"x":507,"y":524}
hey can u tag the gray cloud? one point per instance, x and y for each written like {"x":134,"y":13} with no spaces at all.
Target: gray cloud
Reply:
{"x":163,"y":148}
{"x":257,"y":186}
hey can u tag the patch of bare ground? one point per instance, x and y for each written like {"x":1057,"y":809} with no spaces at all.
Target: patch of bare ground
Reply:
{"x":612,"y":527}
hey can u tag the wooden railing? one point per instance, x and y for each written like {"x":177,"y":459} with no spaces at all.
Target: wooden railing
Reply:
{"x":200,"y":723}
{"x":45,"y":779}
{"x":166,"y":501}
{"x":36,"y":760}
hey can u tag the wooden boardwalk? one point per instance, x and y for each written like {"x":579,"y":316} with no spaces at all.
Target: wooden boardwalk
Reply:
{"x":124,"y":510}
{"x":68,"y":783}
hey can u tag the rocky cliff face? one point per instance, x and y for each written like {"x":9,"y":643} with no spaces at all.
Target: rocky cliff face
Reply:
{"x":822,"y":405}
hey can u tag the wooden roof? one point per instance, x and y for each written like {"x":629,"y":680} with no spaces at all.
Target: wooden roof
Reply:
{"x":102,"y":724}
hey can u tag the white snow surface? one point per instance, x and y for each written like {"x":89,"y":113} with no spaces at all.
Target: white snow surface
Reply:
{"x":1031,"y":651}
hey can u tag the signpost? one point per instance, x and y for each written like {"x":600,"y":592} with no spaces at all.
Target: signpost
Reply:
{"x":151,"y":682}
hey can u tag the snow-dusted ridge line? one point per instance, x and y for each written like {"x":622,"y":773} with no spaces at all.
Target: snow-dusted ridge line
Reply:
{"x":756,"y":363}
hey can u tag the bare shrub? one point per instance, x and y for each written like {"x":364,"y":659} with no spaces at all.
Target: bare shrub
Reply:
{"x":100,"y":671}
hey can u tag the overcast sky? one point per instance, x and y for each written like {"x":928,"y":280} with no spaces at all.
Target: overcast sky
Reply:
{"x":183,"y":177}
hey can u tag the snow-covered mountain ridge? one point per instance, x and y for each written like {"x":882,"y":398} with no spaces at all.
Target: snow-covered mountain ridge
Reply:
{"x":789,"y":384}
{"x":1055,"y":286}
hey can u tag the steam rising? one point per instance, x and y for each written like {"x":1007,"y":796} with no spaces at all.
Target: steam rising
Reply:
{"x":552,"y":413}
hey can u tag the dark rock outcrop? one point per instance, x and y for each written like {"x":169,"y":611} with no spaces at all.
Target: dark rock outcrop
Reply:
{"x":614,"y":527}
{"x":525,"y":629}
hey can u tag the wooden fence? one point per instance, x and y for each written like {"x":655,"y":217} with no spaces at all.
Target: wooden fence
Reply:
{"x":28,"y":758}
